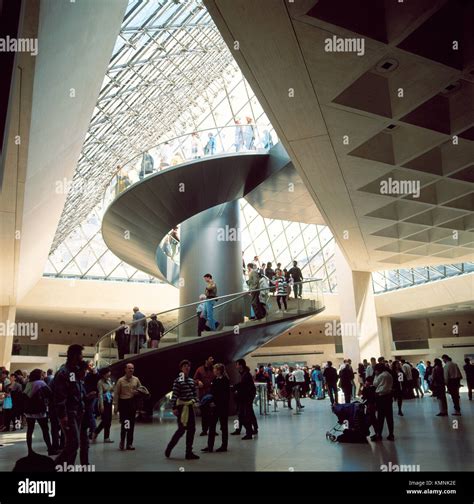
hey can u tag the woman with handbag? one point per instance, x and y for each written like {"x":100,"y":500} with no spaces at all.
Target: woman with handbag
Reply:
{"x":12,"y":404}
{"x":105,"y":389}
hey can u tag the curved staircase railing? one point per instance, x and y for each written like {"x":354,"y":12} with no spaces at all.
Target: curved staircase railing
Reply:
{"x":232,"y":312}
{"x":191,"y":146}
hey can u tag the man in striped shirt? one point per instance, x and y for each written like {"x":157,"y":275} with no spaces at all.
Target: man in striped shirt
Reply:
{"x":182,"y":401}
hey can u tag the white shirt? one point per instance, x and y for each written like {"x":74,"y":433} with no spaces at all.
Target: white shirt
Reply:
{"x":451,"y":371}
{"x":369,"y":371}
{"x":298,"y":375}
{"x":383,"y":383}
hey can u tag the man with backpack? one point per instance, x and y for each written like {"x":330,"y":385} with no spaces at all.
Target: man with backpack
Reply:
{"x":155,"y":331}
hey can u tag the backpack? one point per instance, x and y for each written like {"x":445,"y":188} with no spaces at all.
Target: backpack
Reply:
{"x":35,"y":403}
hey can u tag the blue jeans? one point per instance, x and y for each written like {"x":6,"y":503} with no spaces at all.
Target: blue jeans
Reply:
{"x":209,"y":314}
{"x":422,"y":382}
{"x":320,"y":389}
{"x":90,"y":412}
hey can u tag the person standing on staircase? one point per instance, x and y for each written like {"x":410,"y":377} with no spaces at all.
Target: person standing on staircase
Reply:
{"x":155,"y":331}
{"x":138,"y":331}
{"x":122,"y":339}
{"x":297,"y":276}
{"x":211,"y":294}
{"x":253,"y":282}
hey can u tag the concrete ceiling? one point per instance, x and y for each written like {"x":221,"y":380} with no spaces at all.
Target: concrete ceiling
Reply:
{"x":284,"y":196}
{"x":401,"y":111}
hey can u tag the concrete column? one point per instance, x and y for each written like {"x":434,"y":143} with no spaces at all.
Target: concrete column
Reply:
{"x":7,"y":317}
{"x":386,"y":337}
{"x":358,"y":317}
{"x":211,"y":243}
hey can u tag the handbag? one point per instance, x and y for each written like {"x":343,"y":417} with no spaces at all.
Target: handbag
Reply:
{"x":7,"y":402}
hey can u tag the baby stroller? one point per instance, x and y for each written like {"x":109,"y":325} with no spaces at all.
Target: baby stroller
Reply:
{"x":352,"y":425}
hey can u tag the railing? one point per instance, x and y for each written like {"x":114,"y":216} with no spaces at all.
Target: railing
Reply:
{"x":199,"y":144}
{"x":231,"y":312}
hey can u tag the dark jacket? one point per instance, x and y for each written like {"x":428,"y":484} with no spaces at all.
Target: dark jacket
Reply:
{"x":368,"y":394}
{"x":469,"y":370}
{"x":415,"y":376}
{"x":38,"y":402}
{"x":155,"y":329}
{"x":90,"y":382}
{"x":68,"y":396}
{"x":262,"y":377}
{"x":220,"y":389}
{"x":346,"y":375}
{"x":428,"y":372}
{"x":122,"y":335}
{"x":295,"y":272}
{"x":399,"y":380}
{"x":280,"y":381}
{"x":438,"y":385}
{"x":246,"y":388}
{"x":330,"y":375}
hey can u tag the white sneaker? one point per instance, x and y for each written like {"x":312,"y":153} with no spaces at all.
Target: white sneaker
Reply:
{"x":278,"y":311}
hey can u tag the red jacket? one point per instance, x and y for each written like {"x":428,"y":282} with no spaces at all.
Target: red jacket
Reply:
{"x":205,"y":375}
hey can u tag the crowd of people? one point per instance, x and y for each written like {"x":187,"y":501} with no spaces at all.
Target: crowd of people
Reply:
{"x":264,"y":280}
{"x":67,"y":404}
{"x":242,"y":136}
{"x":130,"y":338}
{"x":378,"y":383}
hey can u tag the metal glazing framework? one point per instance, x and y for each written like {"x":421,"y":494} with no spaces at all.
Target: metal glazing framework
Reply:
{"x":84,"y":254}
{"x":171,"y":73}
{"x":384,"y":281}
{"x":284,"y":241}
{"x":167,"y":55}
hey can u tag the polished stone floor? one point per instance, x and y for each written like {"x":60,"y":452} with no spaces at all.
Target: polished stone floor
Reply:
{"x":288,"y":442}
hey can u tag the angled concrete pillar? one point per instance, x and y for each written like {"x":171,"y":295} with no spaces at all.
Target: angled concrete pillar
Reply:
{"x":7,"y":317}
{"x":386,"y":337}
{"x":358,"y":317}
